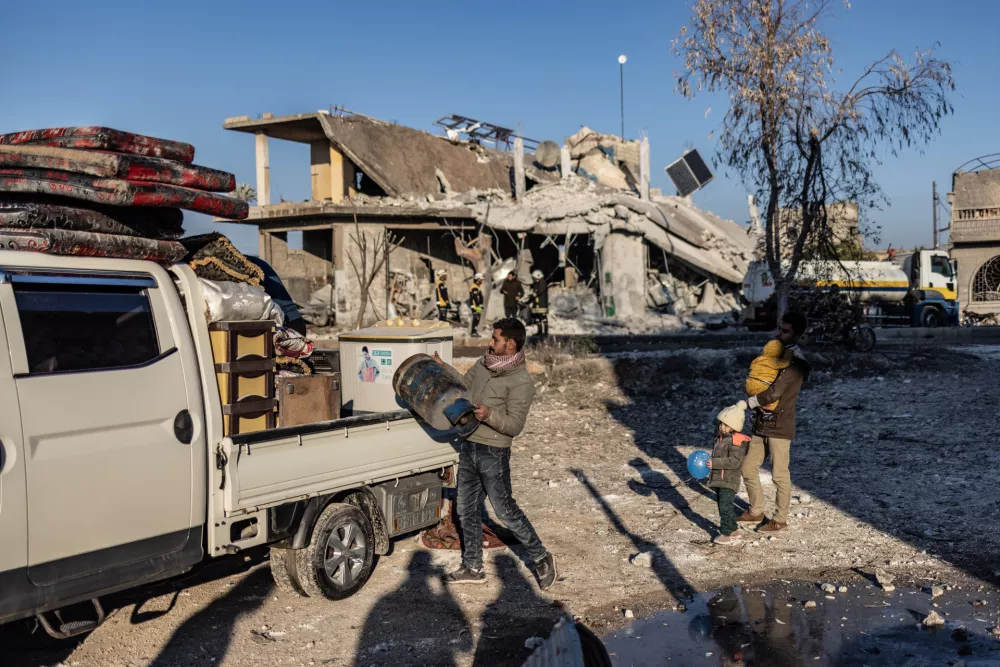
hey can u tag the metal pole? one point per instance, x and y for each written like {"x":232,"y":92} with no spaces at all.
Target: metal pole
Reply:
{"x":935,"y":200}
{"x":621,"y":83}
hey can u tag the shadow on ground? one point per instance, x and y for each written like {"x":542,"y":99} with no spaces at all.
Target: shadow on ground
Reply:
{"x":25,"y":644}
{"x":672,"y":401}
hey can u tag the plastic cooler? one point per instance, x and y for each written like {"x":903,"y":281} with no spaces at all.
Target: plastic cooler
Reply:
{"x":369,"y":358}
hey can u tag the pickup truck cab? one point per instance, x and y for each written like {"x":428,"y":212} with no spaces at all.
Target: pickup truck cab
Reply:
{"x":114,"y":470}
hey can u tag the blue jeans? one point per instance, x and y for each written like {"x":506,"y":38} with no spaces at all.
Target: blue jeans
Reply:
{"x":484,"y":468}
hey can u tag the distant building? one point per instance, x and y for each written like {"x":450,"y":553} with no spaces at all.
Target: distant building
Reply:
{"x":975,"y":237}
{"x":842,"y":221}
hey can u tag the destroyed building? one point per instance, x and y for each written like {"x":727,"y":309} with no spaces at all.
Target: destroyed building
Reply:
{"x":614,"y":250}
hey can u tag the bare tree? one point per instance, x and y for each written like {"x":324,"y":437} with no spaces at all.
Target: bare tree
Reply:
{"x":368,"y":264}
{"x":795,"y":141}
{"x":478,"y":252}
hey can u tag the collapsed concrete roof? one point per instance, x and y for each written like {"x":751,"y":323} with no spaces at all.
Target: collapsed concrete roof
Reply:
{"x":703,"y":241}
{"x":424,"y":175}
{"x":404,"y":162}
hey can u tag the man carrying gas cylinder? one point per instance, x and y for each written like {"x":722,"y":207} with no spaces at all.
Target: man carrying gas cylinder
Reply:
{"x":502,"y":391}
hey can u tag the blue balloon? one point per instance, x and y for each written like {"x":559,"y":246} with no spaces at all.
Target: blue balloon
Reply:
{"x":696,"y":464}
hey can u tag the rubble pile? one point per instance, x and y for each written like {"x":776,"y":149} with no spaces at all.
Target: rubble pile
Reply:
{"x":604,"y":158}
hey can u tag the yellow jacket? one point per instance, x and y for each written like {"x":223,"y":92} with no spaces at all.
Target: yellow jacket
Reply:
{"x":764,"y":369}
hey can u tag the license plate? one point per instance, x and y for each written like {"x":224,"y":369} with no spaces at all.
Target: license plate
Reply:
{"x":413,"y":520}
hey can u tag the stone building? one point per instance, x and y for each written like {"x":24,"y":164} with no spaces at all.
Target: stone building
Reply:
{"x":975,"y":238}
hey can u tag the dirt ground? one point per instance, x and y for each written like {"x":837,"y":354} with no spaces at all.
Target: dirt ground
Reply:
{"x":894,"y":467}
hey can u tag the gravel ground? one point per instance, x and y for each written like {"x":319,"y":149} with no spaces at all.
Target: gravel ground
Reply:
{"x":894,"y":468}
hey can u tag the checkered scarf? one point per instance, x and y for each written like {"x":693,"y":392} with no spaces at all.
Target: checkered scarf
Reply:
{"x":497,"y":362}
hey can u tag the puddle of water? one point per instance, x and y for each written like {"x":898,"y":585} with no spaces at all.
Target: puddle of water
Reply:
{"x":772,"y":626}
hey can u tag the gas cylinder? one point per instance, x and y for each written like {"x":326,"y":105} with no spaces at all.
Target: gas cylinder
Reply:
{"x":436,"y":393}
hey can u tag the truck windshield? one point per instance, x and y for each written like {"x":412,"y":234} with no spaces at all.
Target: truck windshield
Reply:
{"x":941,"y":266}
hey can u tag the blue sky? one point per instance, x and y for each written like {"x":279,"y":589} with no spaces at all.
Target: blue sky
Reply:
{"x":178,"y":69}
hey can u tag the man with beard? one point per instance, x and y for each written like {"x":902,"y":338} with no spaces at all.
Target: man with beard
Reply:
{"x":502,"y":391}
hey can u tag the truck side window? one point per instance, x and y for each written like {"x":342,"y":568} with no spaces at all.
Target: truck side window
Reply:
{"x":941,"y":266}
{"x":69,"y":327}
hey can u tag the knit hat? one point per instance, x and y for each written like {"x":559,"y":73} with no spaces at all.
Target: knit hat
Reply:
{"x":734,"y":416}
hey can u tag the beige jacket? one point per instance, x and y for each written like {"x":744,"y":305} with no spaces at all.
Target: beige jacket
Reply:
{"x":508,"y":394}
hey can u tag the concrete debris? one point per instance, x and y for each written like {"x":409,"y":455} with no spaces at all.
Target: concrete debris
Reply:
{"x":884,"y":580}
{"x":828,"y":588}
{"x":709,"y":245}
{"x":629,"y":613}
{"x":644,"y":559}
{"x":533,"y":642}
{"x":933,"y":620}
{"x":810,"y":604}
{"x":936,"y":591}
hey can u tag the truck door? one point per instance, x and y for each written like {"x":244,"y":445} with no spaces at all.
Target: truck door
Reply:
{"x":109,"y":420}
{"x":13,"y":504}
{"x":938,"y":274}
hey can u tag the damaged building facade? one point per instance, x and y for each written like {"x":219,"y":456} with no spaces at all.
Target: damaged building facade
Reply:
{"x":614,"y":251}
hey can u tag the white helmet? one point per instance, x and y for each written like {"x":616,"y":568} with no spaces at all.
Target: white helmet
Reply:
{"x":441,"y":273}
{"x":537,"y":275}
{"x":478,"y":276}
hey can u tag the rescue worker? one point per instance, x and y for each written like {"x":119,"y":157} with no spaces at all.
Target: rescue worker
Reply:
{"x":443,"y":302}
{"x":512,"y":291}
{"x":540,"y":304}
{"x":476,"y":303}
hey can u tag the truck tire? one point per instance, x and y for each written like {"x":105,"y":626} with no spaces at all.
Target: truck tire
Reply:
{"x":283,"y":571}
{"x":931,"y":318}
{"x":862,"y":338}
{"x":340,"y":556}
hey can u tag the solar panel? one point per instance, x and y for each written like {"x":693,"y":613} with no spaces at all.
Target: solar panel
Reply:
{"x":689,"y":173}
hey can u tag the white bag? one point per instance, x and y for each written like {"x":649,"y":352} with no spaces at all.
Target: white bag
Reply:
{"x":226,"y":302}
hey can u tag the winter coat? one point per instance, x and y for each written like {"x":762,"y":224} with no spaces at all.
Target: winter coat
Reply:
{"x":541,"y":290}
{"x":512,"y":290}
{"x":781,"y":422}
{"x":476,"y":298}
{"x":442,"y":295}
{"x":727,"y":457}
{"x":508,"y":394}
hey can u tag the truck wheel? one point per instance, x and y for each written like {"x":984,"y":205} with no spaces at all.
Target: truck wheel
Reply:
{"x":282,"y":562}
{"x":340,"y":556}
{"x":931,"y":318}
{"x":862,"y":338}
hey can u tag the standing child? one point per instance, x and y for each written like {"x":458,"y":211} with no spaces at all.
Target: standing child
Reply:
{"x":727,"y":457}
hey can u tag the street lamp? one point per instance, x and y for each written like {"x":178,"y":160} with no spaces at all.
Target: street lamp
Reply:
{"x":621,"y":82}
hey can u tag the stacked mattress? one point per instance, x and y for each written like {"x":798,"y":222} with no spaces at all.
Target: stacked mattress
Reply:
{"x":101,"y":192}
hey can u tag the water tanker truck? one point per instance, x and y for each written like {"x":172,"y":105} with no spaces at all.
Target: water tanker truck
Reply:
{"x":917,"y":290}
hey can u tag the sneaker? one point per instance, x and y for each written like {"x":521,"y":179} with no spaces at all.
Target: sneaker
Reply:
{"x":726,"y":539}
{"x":546,"y":572}
{"x":747,"y":517}
{"x":465,"y":575}
{"x":773,"y":527}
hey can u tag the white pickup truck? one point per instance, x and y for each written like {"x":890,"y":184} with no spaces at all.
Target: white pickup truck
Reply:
{"x":114,"y":471}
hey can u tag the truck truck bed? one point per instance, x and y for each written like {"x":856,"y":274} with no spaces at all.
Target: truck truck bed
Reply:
{"x":272,"y":467}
